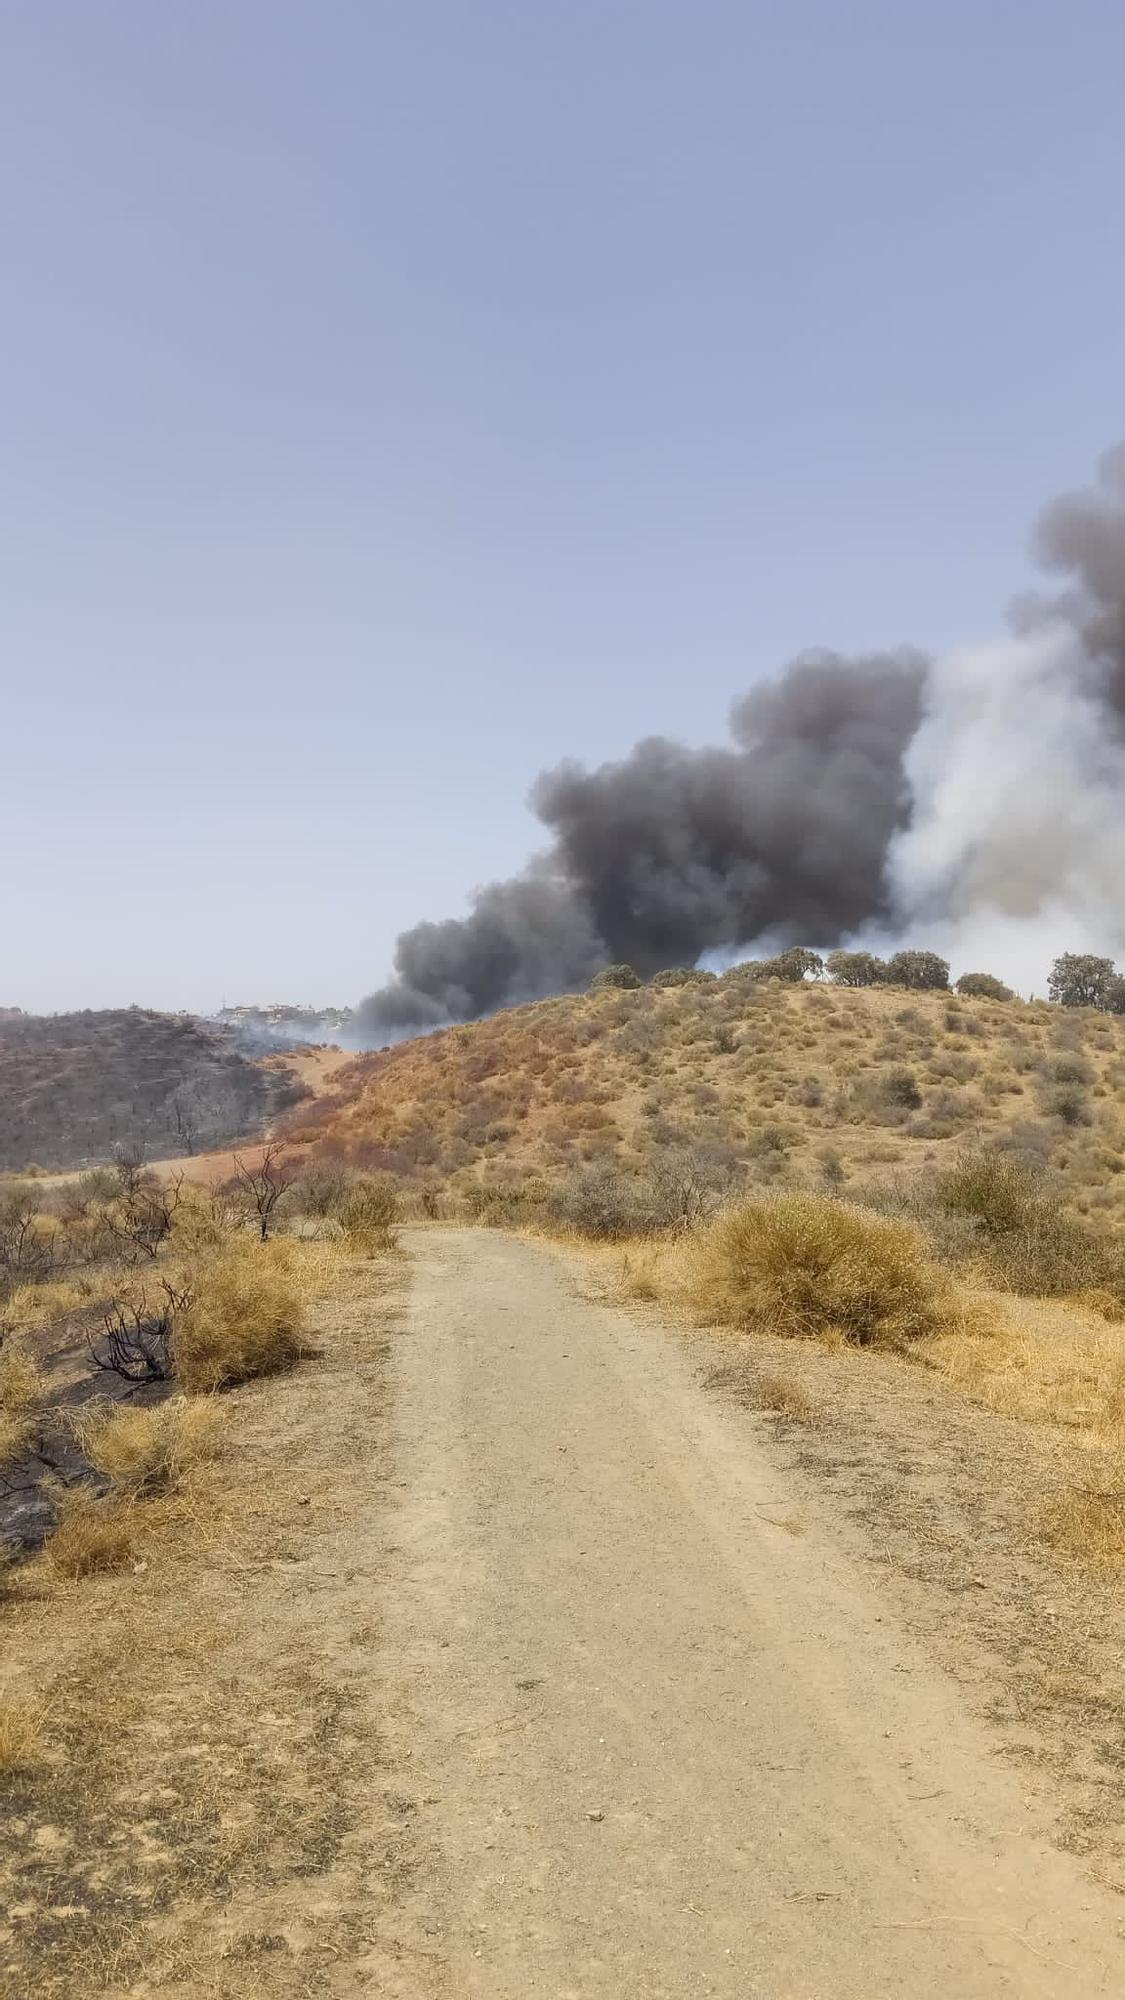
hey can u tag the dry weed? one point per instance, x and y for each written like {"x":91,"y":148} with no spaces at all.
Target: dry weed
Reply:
{"x":246,"y":1317}
{"x":31,"y":1306}
{"x":21,"y":1732}
{"x":801,"y":1264}
{"x":20,"y":1390}
{"x":1089,"y":1521}
{"x":148,"y":1449}
{"x":785,"y":1395}
{"x":92,"y":1534}
{"x":1049,"y":1366}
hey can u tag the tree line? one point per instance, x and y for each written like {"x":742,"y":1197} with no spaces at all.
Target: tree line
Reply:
{"x":1077,"y":979}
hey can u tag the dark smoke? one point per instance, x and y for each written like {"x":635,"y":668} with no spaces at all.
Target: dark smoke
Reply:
{"x":1084,"y":534}
{"x":982,"y":790}
{"x":525,"y":937}
{"x":675,"y":851}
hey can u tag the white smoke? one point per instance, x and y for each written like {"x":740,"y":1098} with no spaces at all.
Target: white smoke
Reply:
{"x":1016,"y":848}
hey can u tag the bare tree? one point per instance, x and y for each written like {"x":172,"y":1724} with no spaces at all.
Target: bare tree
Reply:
{"x":264,"y":1185}
{"x":143,"y":1215}
{"x":27,"y":1250}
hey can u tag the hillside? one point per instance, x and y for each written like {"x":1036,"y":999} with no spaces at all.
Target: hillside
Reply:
{"x":75,"y":1088}
{"x":766,"y":1082}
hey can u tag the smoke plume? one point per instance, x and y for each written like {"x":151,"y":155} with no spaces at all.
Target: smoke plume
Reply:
{"x":978,"y":799}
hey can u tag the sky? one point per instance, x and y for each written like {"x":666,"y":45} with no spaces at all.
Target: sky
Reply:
{"x":398,"y":398}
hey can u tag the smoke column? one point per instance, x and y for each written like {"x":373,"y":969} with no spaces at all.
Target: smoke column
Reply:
{"x":978,"y":798}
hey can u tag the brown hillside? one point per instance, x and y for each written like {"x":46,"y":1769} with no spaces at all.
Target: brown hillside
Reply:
{"x":804,"y":1083}
{"x":75,"y":1088}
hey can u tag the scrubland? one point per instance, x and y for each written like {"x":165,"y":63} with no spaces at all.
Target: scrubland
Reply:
{"x":765,"y":1082}
{"x":935,"y":1174}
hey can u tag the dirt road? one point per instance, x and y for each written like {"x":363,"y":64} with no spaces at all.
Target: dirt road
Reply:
{"x":663,"y":1737}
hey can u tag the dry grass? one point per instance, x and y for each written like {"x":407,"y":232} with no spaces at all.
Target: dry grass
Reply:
{"x":31,"y":1306}
{"x":93,"y":1535}
{"x":149,"y":1449}
{"x":786,"y":1396}
{"x":20,"y":1390}
{"x":246,"y":1318}
{"x":1089,"y":1522}
{"x":22,"y":1723}
{"x":1044,"y":1364}
{"x":801,"y":1264}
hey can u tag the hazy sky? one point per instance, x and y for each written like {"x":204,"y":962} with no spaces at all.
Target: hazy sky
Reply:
{"x":400,"y":397}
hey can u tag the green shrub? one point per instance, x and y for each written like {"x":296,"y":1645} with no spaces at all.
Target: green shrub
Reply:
{"x":602,"y":1203}
{"x":854,"y":968}
{"x":620,"y":977}
{"x":922,"y":970}
{"x":681,"y":975}
{"x":1079,"y":979}
{"x":900,"y":1086}
{"x":983,"y":986}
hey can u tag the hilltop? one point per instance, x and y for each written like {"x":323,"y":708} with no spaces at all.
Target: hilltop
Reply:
{"x":757,"y":1081}
{"x":76,"y":1088}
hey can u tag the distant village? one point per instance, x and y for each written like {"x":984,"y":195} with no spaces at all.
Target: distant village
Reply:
{"x":283,"y":1022}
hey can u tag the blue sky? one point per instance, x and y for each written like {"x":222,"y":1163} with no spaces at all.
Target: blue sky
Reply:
{"x":398,"y":398}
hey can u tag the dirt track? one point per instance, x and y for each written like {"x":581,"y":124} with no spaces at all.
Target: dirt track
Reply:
{"x":663,"y":1736}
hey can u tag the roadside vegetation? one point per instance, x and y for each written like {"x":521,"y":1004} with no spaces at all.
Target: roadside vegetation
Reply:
{"x":173,"y":1359}
{"x":128,"y":1301}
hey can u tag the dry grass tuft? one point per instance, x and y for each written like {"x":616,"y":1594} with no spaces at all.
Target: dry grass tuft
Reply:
{"x":1089,"y":1521}
{"x":93,"y":1535}
{"x":21,"y":1732}
{"x":20,"y":1390}
{"x":31,"y":1306}
{"x":246,"y":1318}
{"x":149,"y":1449}
{"x":785,"y":1395}
{"x":800,"y":1264}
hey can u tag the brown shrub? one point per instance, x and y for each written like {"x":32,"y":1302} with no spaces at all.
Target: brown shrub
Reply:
{"x":246,"y":1318}
{"x":368,"y":1211}
{"x":801,"y":1264}
{"x":92,"y":1534}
